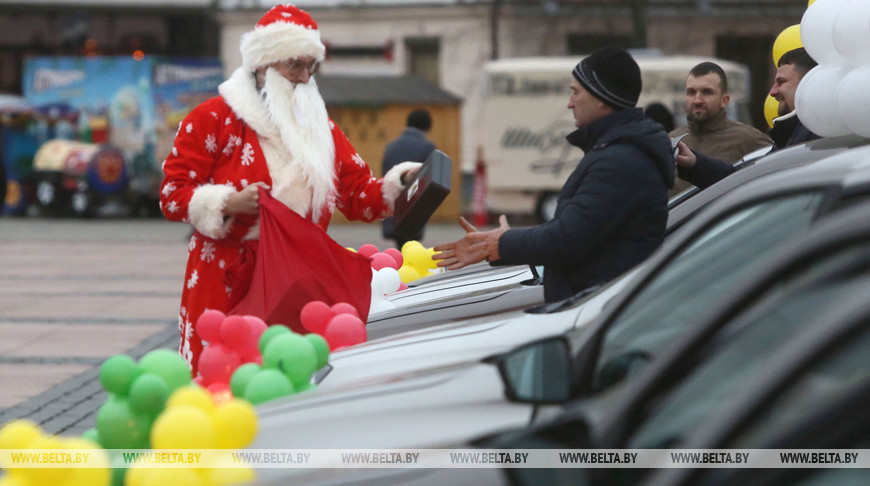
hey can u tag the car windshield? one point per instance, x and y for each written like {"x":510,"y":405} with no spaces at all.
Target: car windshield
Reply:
{"x":747,"y":341}
{"x":700,"y":275}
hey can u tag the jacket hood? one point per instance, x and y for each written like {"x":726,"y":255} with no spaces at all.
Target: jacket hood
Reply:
{"x":629,"y":126}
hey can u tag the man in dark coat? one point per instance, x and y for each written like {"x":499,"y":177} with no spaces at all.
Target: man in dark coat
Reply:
{"x":411,"y":145}
{"x":703,"y":171}
{"x":612,"y":211}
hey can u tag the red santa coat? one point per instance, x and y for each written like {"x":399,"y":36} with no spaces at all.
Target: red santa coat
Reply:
{"x":218,"y":152}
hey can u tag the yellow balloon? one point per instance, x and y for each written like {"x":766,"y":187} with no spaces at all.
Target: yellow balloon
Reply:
{"x":349,"y":248}
{"x":222,"y":470}
{"x":418,"y":257}
{"x":432,"y":264}
{"x":409,"y":244}
{"x":407,"y":274}
{"x":184,"y":427}
{"x":18,"y":434}
{"x":788,"y":39}
{"x":173,"y":476}
{"x":12,"y":481}
{"x":236,"y":423}
{"x":193,"y":396}
{"x":771,"y":109}
{"x":811,"y":2}
{"x":48,"y":475}
{"x":99,"y":472}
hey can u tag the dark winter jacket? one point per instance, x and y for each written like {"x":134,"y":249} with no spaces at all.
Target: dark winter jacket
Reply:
{"x":787,"y":131}
{"x":612,"y":211}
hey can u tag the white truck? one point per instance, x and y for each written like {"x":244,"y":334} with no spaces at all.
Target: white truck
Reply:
{"x":525,"y":120}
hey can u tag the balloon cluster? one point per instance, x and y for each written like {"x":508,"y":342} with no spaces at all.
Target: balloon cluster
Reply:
{"x":418,"y":262}
{"x":393,"y":269}
{"x":288,"y":361}
{"x":832,"y":98}
{"x":232,"y":340}
{"x":137,"y":395}
{"x":340,"y":324}
{"x":23,"y":434}
{"x":192,"y":420}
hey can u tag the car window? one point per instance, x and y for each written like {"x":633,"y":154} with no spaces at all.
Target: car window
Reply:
{"x":745,"y":343}
{"x":696,"y":279}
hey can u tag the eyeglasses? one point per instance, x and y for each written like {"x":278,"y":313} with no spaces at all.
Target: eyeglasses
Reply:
{"x":296,"y":66}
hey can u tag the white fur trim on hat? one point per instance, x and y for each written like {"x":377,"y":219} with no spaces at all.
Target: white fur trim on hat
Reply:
{"x":279,"y":41}
{"x":392,"y":185}
{"x":206,"y":210}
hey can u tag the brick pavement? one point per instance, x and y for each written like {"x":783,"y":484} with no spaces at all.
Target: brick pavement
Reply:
{"x":75,"y":292}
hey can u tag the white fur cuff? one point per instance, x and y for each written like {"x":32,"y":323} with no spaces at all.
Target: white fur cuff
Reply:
{"x":392,"y":186}
{"x":206,"y":210}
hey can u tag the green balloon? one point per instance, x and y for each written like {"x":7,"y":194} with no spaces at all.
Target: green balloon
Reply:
{"x":321,"y":347}
{"x":267,"y":385}
{"x":117,"y":374}
{"x":306,"y":387}
{"x":119,"y":469}
{"x":92,"y":435}
{"x":293,"y":355}
{"x":148,"y":394}
{"x":168,"y":365}
{"x":271,"y":332}
{"x":119,"y":427}
{"x":241,"y":377}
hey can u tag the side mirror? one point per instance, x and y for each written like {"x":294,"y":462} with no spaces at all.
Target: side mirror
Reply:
{"x":538,"y":373}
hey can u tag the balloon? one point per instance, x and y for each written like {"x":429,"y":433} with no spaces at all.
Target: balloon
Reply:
{"x":98,"y":474}
{"x":315,"y":315}
{"x":344,"y":308}
{"x":382,"y":260}
{"x":851,"y":32}
{"x":817,"y":31}
{"x":168,"y":365}
{"x":217,"y":363}
{"x":853,"y":98}
{"x":410,"y":244}
{"x":176,"y":476}
{"x":222,"y":469}
{"x":148,"y":394}
{"x":771,"y":109}
{"x":390,"y":280}
{"x":90,"y":434}
{"x":431,"y":264}
{"x":293,"y":355}
{"x":377,"y":286}
{"x":417,"y":257}
{"x":788,"y":39}
{"x":397,"y":256}
{"x":52,"y":475}
{"x":267,"y":385}
{"x":184,"y":427}
{"x":403,"y":287}
{"x":408,"y":274}
{"x":18,"y":434}
{"x":220,"y":393}
{"x":235,"y":331}
{"x":321,"y":348}
{"x":191,"y":396}
{"x":208,"y":325}
{"x":236,"y":423}
{"x":344,"y":330}
{"x":120,"y":427}
{"x":250,"y":348}
{"x":816,"y":100}
{"x":241,"y":377}
{"x":368,"y":250}
{"x":270,"y":333}
{"x":810,"y":3}
{"x":117,"y":374}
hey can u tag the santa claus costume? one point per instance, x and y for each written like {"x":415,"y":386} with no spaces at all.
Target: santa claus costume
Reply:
{"x":280,"y":135}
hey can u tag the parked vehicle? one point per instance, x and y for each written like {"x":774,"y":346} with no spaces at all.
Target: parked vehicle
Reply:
{"x":669,"y":298}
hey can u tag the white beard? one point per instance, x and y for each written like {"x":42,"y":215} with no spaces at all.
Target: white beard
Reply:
{"x":299,"y":114}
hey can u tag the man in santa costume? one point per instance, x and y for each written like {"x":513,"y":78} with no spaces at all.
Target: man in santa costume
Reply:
{"x":268,"y":128}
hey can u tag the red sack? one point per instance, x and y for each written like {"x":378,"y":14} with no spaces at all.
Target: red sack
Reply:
{"x":295,"y":263}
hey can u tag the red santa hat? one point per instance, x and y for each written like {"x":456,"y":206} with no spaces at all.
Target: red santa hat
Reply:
{"x":285,"y":32}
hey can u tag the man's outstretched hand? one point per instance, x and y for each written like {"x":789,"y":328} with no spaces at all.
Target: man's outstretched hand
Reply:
{"x":474,"y":247}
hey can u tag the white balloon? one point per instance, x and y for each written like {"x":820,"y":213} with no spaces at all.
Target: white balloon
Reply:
{"x":390,"y":280}
{"x":816,"y":100}
{"x":851,"y":34}
{"x":817,"y":30}
{"x":853,"y":98}
{"x":377,"y":286}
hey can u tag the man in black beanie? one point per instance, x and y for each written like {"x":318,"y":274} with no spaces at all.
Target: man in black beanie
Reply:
{"x":612,"y":210}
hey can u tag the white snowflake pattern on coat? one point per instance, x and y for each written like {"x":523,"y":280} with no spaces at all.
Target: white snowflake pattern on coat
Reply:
{"x":188,"y":128}
{"x":211,"y":143}
{"x":192,"y":174}
{"x":244,"y":183}
{"x":232,"y":142}
{"x":359,"y":160}
{"x":247,"y":154}
{"x":192,"y":244}
{"x":214,"y":115}
{"x":174,"y":152}
{"x":167,"y":189}
{"x":194,"y":278}
{"x":207,"y":254}
{"x":172,"y":207}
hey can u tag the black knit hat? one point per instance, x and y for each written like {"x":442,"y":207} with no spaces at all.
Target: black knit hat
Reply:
{"x":611,"y":75}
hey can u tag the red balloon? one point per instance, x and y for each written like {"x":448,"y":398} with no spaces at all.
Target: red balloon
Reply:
{"x":402,"y":287}
{"x":235,"y":332}
{"x":383,"y":260}
{"x":344,"y":308}
{"x":198,"y":380}
{"x":208,"y":326}
{"x":250,"y":349}
{"x":220,"y":392}
{"x":217,"y":363}
{"x":344,"y":330}
{"x":315,"y":315}
{"x":397,"y":255}
{"x":368,"y":250}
